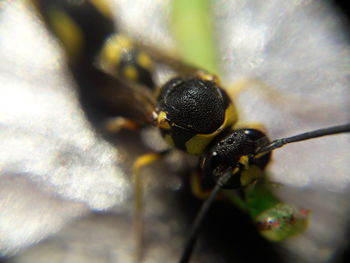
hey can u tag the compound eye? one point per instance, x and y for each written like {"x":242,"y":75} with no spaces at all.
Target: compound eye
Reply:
{"x":210,"y":163}
{"x":214,"y":167}
{"x":254,"y":134}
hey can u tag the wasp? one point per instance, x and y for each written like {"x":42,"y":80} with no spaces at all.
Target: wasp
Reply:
{"x":192,"y":111}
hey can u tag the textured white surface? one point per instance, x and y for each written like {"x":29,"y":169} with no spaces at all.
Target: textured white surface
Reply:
{"x":301,"y":50}
{"x":52,"y":165}
{"x":54,"y":168}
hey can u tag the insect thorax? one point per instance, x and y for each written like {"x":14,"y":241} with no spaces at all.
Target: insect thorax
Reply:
{"x":192,"y":112}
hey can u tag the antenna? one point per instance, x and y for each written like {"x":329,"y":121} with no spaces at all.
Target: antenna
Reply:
{"x":191,"y":241}
{"x":304,"y":136}
{"x":192,"y":238}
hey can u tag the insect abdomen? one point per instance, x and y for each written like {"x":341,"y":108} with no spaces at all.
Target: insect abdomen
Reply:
{"x":90,"y":38}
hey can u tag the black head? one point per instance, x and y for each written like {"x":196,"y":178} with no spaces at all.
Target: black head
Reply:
{"x":235,"y":154}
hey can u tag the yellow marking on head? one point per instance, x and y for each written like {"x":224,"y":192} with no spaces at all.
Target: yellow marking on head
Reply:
{"x":250,"y":175}
{"x":144,"y":60}
{"x":197,"y":144}
{"x":130,"y":72}
{"x":235,"y":170}
{"x":244,"y":160}
{"x":162,"y":121}
{"x":259,"y":155}
{"x":67,"y":31}
{"x":103,"y":7}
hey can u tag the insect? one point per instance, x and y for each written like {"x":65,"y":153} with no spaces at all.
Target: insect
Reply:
{"x":176,"y":129}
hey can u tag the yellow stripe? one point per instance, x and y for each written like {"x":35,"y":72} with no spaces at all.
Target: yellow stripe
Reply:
{"x":67,"y":31}
{"x":197,"y":144}
{"x":144,"y":60}
{"x":103,"y":7}
{"x":130,"y":72}
{"x":250,"y":175}
{"x":162,"y":121}
{"x":112,"y":51}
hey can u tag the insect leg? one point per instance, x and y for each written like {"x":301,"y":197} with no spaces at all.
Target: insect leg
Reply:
{"x":117,"y":124}
{"x":138,"y":218}
{"x":197,"y":188}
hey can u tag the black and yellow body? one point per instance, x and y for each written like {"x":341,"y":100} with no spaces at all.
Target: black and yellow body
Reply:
{"x":193,"y":112}
{"x":196,"y":115}
{"x":102,"y":61}
{"x":88,"y":34}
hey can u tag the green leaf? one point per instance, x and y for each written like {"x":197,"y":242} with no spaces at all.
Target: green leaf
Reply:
{"x":192,"y":27}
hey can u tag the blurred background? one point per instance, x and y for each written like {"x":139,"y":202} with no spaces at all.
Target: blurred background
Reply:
{"x":65,"y":191}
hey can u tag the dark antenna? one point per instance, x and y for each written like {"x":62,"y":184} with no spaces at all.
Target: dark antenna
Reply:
{"x":191,"y":241}
{"x":304,"y":136}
